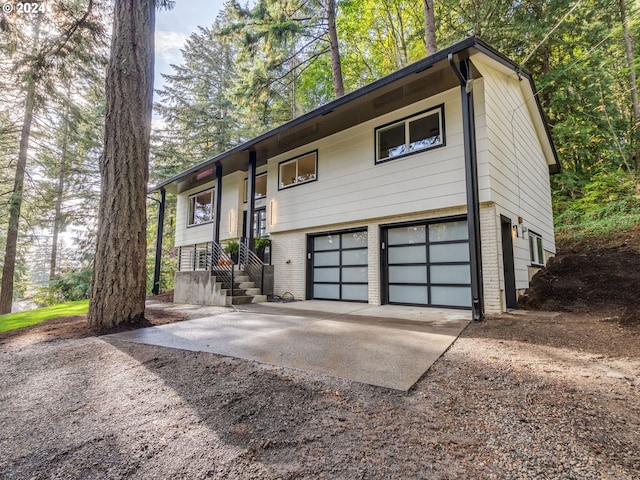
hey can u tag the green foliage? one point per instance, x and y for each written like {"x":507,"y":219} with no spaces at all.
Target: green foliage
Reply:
{"x":13,"y":321}
{"x":601,"y":204}
{"x":68,"y":287}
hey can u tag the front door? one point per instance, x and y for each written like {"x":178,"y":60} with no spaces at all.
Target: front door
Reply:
{"x":259,"y":223}
{"x":508,"y":265}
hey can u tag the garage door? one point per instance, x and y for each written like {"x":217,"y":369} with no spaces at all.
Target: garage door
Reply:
{"x":427,"y":264}
{"x":338,"y":266}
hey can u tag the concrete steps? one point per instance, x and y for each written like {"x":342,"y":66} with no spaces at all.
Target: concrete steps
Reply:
{"x":244,"y":290}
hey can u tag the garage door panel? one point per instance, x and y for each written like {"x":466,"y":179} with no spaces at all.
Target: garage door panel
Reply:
{"x":355,"y":292}
{"x":328,"y":291}
{"x":354,"y":257}
{"x":451,"y":296}
{"x":412,"y":294}
{"x":450,"y":274}
{"x":408,"y":274}
{"x":326,"y":274}
{"x":355,"y":274}
{"x":354,"y":240}
{"x":327,"y":259}
{"x":327,"y":242}
{"x":413,"y":254}
{"x":407,"y":235}
{"x":450,"y":231}
{"x":449,"y":252}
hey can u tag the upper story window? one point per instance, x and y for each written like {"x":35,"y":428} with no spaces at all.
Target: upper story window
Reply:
{"x":536,"y":253}
{"x":201,"y":207}
{"x":298,"y":170}
{"x":261,"y":187}
{"x":413,"y":134}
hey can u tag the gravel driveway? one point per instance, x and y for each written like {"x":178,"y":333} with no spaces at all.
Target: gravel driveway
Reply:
{"x":514,"y":397}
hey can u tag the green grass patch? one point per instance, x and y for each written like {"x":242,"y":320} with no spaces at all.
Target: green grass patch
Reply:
{"x":13,"y":321}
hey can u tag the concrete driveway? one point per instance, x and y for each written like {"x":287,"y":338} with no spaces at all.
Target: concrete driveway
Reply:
{"x":389,"y":346}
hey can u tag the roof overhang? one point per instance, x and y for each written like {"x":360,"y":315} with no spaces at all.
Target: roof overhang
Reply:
{"x":422,"y":79}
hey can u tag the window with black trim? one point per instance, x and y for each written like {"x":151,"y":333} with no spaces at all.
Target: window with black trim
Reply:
{"x":201,"y":207}
{"x":298,"y":170}
{"x":536,"y":252}
{"x":413,"y":134}
{"x":261,"y":187}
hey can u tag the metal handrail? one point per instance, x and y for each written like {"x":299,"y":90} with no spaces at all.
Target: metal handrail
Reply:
{"x":207,"y":256}
{"x":251,"y":264}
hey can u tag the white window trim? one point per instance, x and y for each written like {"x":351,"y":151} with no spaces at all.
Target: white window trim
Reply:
{"x":439,"y":110}
{"x":190,"y":212}
{"x":536,"y":249}
{"x":296,"y":159}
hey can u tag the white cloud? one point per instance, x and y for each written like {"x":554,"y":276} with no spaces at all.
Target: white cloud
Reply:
{"x":168,"y":45}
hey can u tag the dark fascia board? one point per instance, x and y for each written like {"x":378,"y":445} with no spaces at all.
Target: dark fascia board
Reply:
{"x":416,"y":67}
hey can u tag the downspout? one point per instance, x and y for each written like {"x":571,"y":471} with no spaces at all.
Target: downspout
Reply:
{"x":471,"y":174}
{"x":217,"y":206}
{"x":156,"y":270}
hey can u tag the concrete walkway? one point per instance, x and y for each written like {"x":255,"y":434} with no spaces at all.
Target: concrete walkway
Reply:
{"x":389,"y":346}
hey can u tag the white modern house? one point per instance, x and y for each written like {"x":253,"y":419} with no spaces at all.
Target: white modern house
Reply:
{"x":427,"y":187}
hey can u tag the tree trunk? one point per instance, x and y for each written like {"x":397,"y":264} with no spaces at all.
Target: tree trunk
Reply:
{"x":119,"y":276}
{"x":336,"y":62}
{"x":53,"y":264}
{"x":430,"y":27}
{"x":15,"y":204}
{"x":635,"y":125}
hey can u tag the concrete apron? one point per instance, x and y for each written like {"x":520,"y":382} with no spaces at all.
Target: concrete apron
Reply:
{"x":388,"y":346}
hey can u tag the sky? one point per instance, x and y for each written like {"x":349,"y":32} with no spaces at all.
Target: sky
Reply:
{"x":174,"y":26}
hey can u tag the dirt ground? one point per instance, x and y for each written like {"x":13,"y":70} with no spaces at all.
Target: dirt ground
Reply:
{"x":535,"y":395}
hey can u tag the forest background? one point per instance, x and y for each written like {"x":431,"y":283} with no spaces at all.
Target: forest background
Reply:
{"x":261,"y":64}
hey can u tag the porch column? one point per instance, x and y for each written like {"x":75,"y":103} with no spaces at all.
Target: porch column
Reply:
{"x":471,"y":174}
{"x":156,"y":270}
{"x":251,"y":198}
{"x":217,"y":204}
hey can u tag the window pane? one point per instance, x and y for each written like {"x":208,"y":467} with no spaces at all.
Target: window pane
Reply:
{"x":354,"y":257}
{"x":454,"y":252}
{"x":326,"y":274}
{"x":450,"y":274}
{"x":261,"y":186}
{"x":391,"y":141}
{"x":417,"y":274}
{"x":416,"y":254}
{"x":201,"y":208}
{"x":287,"y":174}
{"x":454,"y":296}
{"x":306,"y":168}
{"x":354,"y":240}
{"x":442,"y":232}
{"x":531,"y":249}
{"x":408,"y":294}
{"x":331,"y":292}
{"x":330,"y":242}
{"x":327,"y":259}
{"x":424,"y":132}
{"x":355,"y":274}
{"x":355,"y":292}
{"x":540,"y":252}
{"x":403,"y":235}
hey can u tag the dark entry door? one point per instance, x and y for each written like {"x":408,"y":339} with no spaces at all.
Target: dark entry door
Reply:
{"x":507,"y":263}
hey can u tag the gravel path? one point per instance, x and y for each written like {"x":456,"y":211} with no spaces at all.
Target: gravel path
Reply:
{"x":515,"y":397}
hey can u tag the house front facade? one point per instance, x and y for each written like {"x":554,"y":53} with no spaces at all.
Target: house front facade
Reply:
{"x":429,"y":187}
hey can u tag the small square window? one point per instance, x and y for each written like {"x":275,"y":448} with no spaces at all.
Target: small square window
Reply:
{"x":201,"y":207}
{"x":298,"y":170}
{"x":413,"y":134}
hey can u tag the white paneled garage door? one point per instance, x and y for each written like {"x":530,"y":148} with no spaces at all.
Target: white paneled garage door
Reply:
{"x":427,"y":264}
{"x":338,"y":266}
